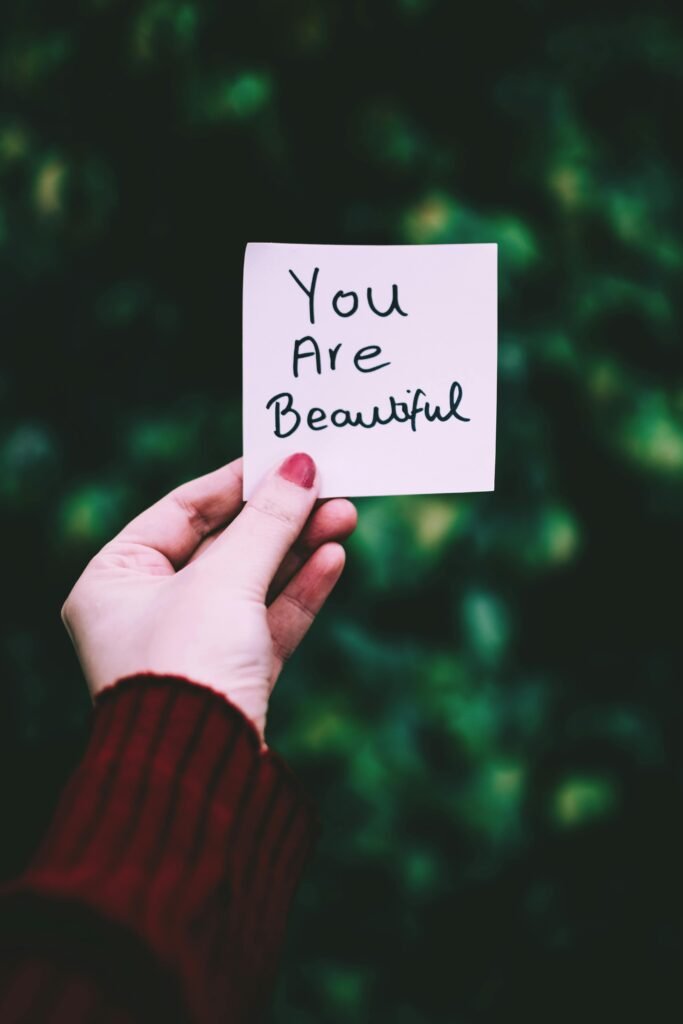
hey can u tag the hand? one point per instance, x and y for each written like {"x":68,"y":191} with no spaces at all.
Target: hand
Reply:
{"x":203,"y":587}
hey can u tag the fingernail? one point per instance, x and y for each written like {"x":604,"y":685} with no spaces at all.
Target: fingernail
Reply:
{"x":298,"y":469}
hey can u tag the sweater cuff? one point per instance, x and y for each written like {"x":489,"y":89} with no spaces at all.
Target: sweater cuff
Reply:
{"x":179,"y":826}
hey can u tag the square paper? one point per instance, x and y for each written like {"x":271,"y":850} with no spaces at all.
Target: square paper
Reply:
{"x":378,"y":360}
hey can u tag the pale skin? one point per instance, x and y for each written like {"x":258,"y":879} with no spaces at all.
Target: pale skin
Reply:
{"x":204,"y":586}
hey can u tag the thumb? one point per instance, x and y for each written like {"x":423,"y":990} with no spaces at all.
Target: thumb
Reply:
{"x":255,"y":543}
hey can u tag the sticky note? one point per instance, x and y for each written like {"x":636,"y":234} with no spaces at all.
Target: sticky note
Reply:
{"x":380,"y":361}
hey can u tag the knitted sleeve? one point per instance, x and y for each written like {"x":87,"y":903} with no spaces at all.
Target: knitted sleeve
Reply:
{"x":162,"y":888}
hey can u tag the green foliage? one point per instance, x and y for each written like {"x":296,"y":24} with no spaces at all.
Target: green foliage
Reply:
{"x":488,"y":711}
{"x":578,"y":800}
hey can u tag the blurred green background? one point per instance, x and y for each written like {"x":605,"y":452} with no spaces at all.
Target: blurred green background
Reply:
{"x":489,"y":712}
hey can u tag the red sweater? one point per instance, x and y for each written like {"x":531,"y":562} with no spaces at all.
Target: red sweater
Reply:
{"x":162,"y":887}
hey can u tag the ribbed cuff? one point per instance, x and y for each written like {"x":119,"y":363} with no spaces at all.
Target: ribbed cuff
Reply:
{"x":179,"y":827}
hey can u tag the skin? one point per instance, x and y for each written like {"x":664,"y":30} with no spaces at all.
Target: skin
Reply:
{"x":204,"y":586}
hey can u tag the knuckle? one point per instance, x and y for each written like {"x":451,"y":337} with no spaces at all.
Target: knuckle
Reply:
{"x":198,"y":521}
{"x":299,"y":606}
{"x":272,"y":510}
{"x":282,"y":651}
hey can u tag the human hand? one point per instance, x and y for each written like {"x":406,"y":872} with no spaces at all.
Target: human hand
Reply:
{"x":201,"y":586}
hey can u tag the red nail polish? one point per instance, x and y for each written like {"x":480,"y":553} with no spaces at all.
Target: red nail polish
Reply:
{"x":298,"y":469}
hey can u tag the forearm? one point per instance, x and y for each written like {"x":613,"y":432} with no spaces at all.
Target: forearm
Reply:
{"x":175,"y":850}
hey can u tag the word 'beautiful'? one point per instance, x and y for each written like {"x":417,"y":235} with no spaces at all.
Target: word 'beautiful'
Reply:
{"x":397,"y":412}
